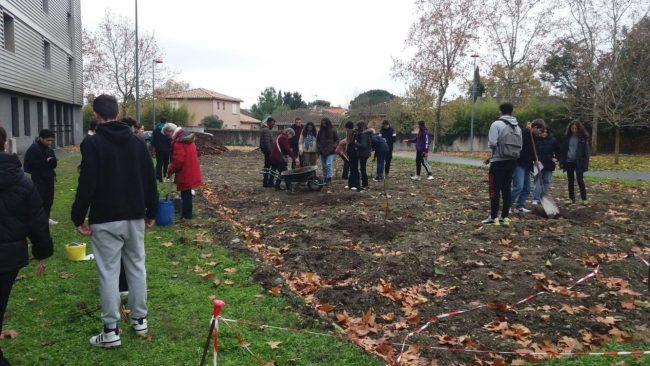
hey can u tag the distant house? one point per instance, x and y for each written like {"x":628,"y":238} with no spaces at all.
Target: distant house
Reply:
{"x":202,"y":102}
{"x":373,"y":115}
{"x":286,"y":119}
{"x":40,"y":71}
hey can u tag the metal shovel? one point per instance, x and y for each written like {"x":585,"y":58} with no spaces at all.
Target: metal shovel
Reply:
{"x":548,"y":203}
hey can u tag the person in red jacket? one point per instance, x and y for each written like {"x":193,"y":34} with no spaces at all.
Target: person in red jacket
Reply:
{"x":279,"y":152}
{"x":184,"y":164}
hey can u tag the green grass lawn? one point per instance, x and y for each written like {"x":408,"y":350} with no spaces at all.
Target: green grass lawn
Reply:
{"x":55,"y":315}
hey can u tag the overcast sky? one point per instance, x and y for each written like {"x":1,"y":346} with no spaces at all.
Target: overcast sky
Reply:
{"x":331,"y":50}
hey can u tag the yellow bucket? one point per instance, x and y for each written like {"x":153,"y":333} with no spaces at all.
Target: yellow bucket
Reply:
{"x":75,"y":251}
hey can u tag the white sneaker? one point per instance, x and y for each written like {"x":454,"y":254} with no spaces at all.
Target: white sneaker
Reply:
{"x":430,"y":177}
{"x":107,"y":340}
{"x":347,"y":187}
{"x":415,"y":177}
{"x":353,"y":188}
{"x":52,"y":222}
{"x":140,"y":326}
{"x":535,"y":202}
{"x":524,"y":210}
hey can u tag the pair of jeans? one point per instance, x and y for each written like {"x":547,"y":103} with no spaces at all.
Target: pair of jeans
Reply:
{"x":571,"y":171}
{"x":327,"y":161}
{"x":186,"y":208}
{"x":420,"y":161}
{"x":547,"y":176}
{"x":381,"y":157}
{"x":389,"y":159}
{"x":162,"y":162}
{"x":500,"y":179}
{"x":363,"y":161}
{"x":7,"y":280}
{"x":520,"y":185}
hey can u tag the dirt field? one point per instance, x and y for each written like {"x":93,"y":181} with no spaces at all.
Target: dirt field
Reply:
{"x":380,"y":264}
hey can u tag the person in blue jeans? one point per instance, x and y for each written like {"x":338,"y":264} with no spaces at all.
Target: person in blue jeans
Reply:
{"x":523,"y":168}
{"x":380,"y":146}
{"x":548,"y":153}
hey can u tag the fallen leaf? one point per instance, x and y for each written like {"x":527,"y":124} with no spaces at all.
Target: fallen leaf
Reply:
{"x":275,"y":291}
{"x":206,"y":255}
{"x":207,"y":275}
{"x":229,"y":282}
{"x":167,"y":244}
{"x":8,"y":334}
{"x":326,"y":308}
{"x":274,"y":344}
{"x":230,"y":270}
{"x":66,"y":276}
{"x":216,"y":282}
{"x":494,"y":276}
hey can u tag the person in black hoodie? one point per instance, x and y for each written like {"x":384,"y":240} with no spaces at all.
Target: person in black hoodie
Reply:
{"x":117,"y":183}
{"x":388,"y":133}
{"x":364,"y":149}
{"x":23,"y":217}
{"x":521,"y":173}
{"x":162,"y":146}
{"x":40,"y":162}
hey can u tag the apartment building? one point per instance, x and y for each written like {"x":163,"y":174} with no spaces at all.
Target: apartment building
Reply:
{"x":40,"y":70}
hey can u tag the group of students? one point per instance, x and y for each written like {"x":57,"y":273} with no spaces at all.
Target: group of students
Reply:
{"x":113,"y":156}
{"x":518,"y":153}
{"x":304,"y":143}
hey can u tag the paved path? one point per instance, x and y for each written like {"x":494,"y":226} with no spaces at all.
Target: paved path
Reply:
{"x":634,"y":175}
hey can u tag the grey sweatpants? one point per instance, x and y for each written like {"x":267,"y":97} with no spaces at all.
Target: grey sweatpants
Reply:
{"x":112,"y":242}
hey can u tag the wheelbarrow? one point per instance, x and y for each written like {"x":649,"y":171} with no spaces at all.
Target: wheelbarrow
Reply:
{"x":297,"y":177}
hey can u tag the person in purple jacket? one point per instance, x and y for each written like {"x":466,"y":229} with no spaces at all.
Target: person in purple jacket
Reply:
{"x":422,"y":150}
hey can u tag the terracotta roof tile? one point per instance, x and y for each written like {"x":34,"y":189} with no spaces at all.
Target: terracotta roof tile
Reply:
{"x":201,"y":93}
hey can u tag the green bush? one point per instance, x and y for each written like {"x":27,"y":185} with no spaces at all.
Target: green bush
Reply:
{"x":212,"y":121}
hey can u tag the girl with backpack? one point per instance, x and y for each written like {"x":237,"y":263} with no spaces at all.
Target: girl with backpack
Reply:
{"x":574,"y":158}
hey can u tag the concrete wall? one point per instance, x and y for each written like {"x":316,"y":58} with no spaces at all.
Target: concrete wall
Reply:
{"x":237,"y":137}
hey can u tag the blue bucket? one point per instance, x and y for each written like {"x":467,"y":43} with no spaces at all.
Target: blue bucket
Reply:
{"x":165,"y":216}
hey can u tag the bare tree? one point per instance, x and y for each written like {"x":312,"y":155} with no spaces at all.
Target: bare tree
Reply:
{"x":518,"y":30}
{"x":596,"y":27}
{"x":625,"y":97}
{"x":109,"y":60}
{"x":440,"y":37}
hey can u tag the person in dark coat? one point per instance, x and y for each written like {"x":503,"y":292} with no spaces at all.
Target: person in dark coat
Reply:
{"x":364,"y":150}
{"x":40,"y":162}
{"x":327,"y":140}
{"x":381,"y":149}
{"x":574,"y":158}
{"x":341,"y":150}
{"x":162,"y":147}
{"x":521,"y":174}
{"x":23,"y":217}
{"x":353,"y":158}
{"x":266,"y":146}
{"x":548,"y":152}
{"x":282,"y":149}
{"x":388,"y":133}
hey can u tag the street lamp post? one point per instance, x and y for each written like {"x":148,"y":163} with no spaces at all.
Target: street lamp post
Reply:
{"x":471,"y":126}
{"x":153,"y":89}
{"x":137,"y":67}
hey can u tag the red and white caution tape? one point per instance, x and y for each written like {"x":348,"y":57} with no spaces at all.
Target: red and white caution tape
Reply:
{"x":435,"y":318}
{"x":641,"y":258}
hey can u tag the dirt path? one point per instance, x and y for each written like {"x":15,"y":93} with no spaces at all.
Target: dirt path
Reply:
{"x":381,"y":276}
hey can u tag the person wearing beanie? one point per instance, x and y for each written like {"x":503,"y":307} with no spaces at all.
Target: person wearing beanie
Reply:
{"x":40,"y":162}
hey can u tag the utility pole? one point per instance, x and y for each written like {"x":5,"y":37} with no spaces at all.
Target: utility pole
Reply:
{"x":153,"y":90}
{"x":471,"y":126}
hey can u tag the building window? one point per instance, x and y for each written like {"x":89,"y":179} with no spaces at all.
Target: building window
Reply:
{"x":8,"y":31}
{"x":235,"y":109}
{"x":27,"y":118}
{"x":15,"y":125}
{"x":39,"y":115}
{"x":47,"y":56}
{"x":69,"y":23}
{"x":46,"y":6}
{"x":70,"y":67}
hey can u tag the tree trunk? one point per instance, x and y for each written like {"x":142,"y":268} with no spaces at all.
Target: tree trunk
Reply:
{"x":436,"y":127}
{"x":594,"y":130}
{"x":617,"y":143}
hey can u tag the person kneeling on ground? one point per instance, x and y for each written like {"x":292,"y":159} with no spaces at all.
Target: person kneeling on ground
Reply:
{"x":23,"y":216}
{"x":184,"y":164}
{"x":279,"y":154}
